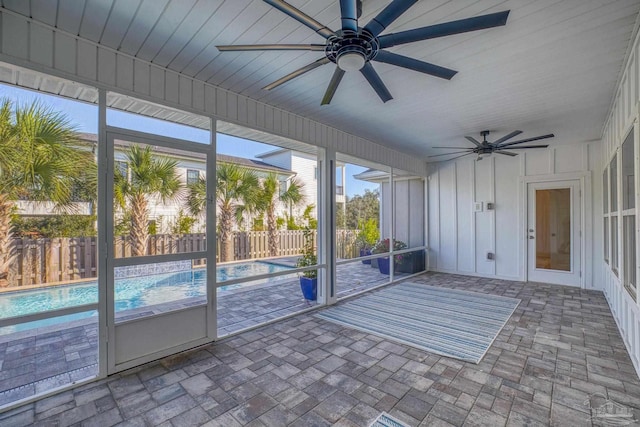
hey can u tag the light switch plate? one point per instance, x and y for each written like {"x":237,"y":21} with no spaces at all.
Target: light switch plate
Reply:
{"x":478,"y":206}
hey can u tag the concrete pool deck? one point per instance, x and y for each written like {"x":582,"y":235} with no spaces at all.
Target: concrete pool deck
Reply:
{"x":38,"y":360}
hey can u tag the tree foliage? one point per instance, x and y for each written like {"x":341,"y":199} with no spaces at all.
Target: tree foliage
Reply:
{"x":270,"y":196}
{"x":361,"y":208}
{"x":148,"y":176}
{"x":41,"y":160}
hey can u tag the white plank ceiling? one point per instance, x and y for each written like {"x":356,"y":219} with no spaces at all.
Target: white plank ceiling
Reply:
{"x":552,"y":68}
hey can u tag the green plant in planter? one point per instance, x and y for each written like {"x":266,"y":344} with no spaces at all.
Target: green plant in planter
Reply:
{"x":383,"y":246}
{"x":368,"y":235}
{"x":308,"y":257}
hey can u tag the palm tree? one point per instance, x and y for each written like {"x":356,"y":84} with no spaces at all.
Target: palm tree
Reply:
{"x":40,"y":160}
{"x":149,"y":176}
{"x":270,"y":196}
{"x":237,"y":192}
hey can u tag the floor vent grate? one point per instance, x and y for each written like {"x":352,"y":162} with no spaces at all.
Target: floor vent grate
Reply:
{"x":386,"y":420}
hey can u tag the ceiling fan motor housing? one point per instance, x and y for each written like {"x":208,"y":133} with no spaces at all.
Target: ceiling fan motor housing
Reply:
{"x":351,"y":50}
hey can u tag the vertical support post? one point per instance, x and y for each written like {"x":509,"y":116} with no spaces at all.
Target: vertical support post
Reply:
{"x":326,"y":227}
{"x":212,"y":289}
{"x":636,"y":171}
{"x":392,"y":226}
{"x":105,"y":316}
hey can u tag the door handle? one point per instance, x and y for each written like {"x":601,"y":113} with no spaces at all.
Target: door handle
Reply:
{"x":531,"y":237}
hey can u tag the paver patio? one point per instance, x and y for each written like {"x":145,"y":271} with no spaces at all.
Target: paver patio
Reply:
{"x":38,"y":360}
{"x":559,"y":356}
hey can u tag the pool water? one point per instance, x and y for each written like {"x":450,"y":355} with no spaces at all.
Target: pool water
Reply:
{"x":130,"y":293}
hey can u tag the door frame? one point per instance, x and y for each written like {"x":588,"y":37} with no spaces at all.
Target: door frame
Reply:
{"x":208,"y":311}
{"x":586,"y":221}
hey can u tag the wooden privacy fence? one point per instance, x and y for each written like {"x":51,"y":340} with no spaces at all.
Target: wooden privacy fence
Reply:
{"x":66,"y":259}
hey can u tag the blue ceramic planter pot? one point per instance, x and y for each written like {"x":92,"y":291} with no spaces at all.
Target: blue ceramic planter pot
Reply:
{"x":383,"y":265}
{"x":309,"y":288}
{"x":365,"y":252}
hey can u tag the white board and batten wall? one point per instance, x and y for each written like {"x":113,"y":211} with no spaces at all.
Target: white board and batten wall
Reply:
{"x":460,"y":237}
{"x":623,"y":116}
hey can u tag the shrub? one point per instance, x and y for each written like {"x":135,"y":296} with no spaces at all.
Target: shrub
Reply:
{"x":368,"y":235}
{"x":383,"y":246}
{"x":308,"y":257}
{"x":54,"y":226}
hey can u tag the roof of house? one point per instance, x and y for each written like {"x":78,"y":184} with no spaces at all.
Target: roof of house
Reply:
{"x":224,"y":158}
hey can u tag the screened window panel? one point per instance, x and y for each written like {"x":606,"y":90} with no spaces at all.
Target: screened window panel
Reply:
{"x":629,"y":247}
{"x":605,"y":191}
{"x":628,"y":175}
{"x":613,"y":183}
{"x":614,"y":244}
{"x":606,"y":240}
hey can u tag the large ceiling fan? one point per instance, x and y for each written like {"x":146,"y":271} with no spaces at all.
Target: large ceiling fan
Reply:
{"x":352,"y":48}
{"x":499,"y":146}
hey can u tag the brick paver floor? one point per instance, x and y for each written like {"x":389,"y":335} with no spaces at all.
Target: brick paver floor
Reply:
{"x":39,"y":360}
{"x":559,"y":356}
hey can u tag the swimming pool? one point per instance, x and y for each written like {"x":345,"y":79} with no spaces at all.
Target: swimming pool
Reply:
{"x":133,"y":292}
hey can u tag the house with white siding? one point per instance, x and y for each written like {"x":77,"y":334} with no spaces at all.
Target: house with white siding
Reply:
{"x":305,"y":166}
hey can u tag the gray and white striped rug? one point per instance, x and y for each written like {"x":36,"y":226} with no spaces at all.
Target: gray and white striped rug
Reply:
{"x":449,"y":322}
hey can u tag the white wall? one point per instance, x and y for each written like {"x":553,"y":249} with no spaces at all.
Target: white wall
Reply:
{"x":409,"y":211}
{"x":623,"y":115}
{"x":304,"y":165}
{"x":459,"y":237}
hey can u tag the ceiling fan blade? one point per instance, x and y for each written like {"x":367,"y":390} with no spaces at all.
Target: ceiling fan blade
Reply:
{"x":473,"y":141}
{"x":374,"y":80}
{"x":414,"y":64}
{"x":506,"y":153}
{"x":333,"y":85}
{"x":522,"y":141}
{"x":457,"y":157}
{"x":504,"y":138}
{"x":449,"y":154}
{"x":301,"y":17}
{"x":522,"y":148}
{"x":246,"y":47}
{"x":349,"y":15}
{"x":455,"y":148}
{"x":388,"y":15}
{"x":445,"y":29}
{"x":297,"y":73}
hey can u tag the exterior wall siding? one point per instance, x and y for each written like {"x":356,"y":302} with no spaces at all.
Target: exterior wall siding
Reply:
{"x":623,"y":115}
{"x":46,"y":49}
{"x":304,"y":167}
{"x":459,"y":237}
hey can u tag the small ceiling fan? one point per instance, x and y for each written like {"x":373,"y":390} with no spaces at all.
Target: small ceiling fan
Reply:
{"x":499,"y":146}
{"x":352,"y":48}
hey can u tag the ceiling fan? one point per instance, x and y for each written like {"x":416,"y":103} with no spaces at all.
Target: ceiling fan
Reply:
{"x":352,"y":48}
{"x":499,"y":146}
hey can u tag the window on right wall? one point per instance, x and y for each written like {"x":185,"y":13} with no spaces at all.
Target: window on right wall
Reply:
{"x":605,"y":204}
{"x":613,"y":226}
{"x":627,"y":177}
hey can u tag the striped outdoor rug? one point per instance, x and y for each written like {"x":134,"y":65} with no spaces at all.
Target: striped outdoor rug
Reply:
{"x":449,"y":322}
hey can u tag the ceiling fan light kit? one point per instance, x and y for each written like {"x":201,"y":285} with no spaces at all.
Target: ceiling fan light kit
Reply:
{"x":353,"y":48}
{"x":351,"y":61}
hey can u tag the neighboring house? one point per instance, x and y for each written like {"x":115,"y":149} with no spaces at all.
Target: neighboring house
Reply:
{"x":305,"y":166}
{"x":191,"y":167}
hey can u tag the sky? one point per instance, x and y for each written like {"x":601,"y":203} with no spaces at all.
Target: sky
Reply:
{"x":85,"y":118}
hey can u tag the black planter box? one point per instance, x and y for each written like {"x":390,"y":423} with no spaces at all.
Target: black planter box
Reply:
{"x":412,"y":262}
